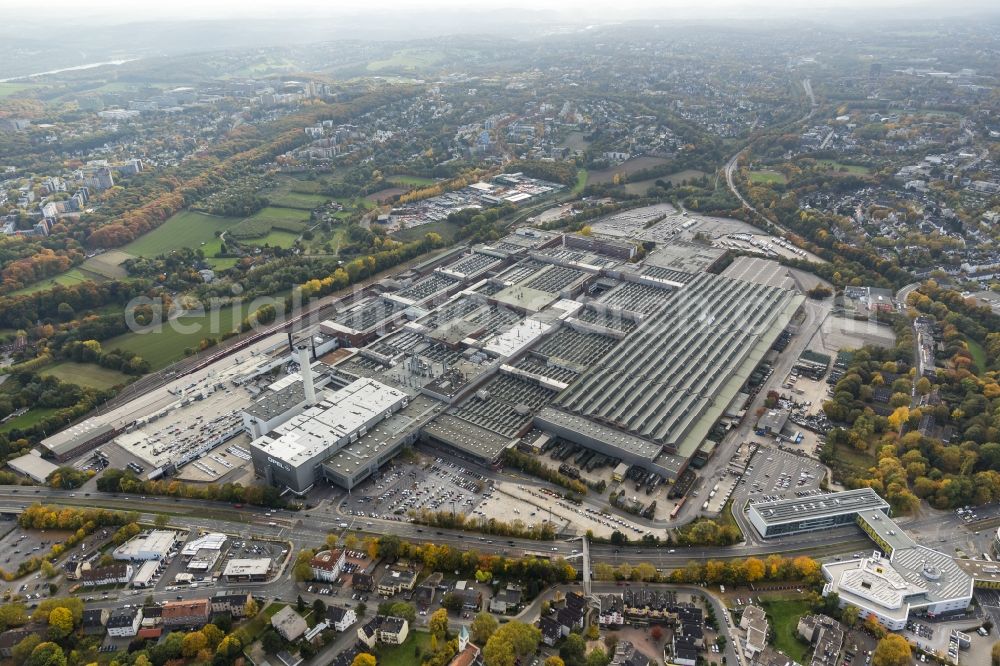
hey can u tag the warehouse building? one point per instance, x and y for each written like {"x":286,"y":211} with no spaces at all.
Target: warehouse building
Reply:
{"x":152,"y":545}
{"x":33,"y":466}
{"x":818,"y":512}
{"x":292,"y":454}
{"x":78,"y":439}
{"x":653,"y":404}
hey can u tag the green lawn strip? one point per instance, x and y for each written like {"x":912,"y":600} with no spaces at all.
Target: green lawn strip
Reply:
{"x":784,"y":614}
{"x":848,"y":168}
{"x":276,"y":238}
{"x":30,"y":418}
{"x":412,"y":181}
{"x":978,"y":354}
{"x":298,"y":200}
{"x":767,"y":177}
{"x":448,"y":231}
{"x":404,"y":655}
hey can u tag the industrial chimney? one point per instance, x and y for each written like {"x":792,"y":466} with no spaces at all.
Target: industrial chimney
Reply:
{"x":305,"y":369}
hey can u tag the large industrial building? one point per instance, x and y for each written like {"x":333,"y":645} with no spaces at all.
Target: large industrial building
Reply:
{"x":636,"y":359}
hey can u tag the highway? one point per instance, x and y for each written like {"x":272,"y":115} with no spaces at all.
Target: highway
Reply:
{"x":309,"y":529}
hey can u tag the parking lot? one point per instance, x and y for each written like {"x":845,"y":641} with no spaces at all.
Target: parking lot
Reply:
{"x":431,"y":484}
{"x":773,"y":474}
{"x":535,"y":505}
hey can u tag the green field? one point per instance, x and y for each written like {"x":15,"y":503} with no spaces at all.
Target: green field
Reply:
{"x":67,"y":279}
{"x":185,"y":229}
{"x":12,"y":88}
{"x":413,"y":181}
{"x":581,"y":182}
{"x":977,"y":353}
{"x":276,"y":238}
{"x":784,"y":614}
{"x":161,"y":348}
{"x":849,"y":168}
{"x":404,"y":655}
{"x":28,"y":419}
{"x":407,"y":59}
{"x":86,"y":374}
{"x":767,"y":177}
{"x":447,"y":230}
{"x":265,"y":220}
{"x":298,"y":200}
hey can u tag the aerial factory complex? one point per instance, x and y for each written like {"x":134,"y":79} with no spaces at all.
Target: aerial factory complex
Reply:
{"x":556,"y":335}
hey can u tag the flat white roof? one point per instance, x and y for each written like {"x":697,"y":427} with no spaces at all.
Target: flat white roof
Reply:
{"x":249,"y":567}
{"x":210,"y":541}
{"x":156,"y":541}
{"x":508,"y":343}
{"x":32,"y":465}
{"x":339,"y":415}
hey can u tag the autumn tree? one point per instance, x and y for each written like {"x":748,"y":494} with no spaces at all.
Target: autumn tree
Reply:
{"x":438,"y":623}
{"x":60,"y":623}
{"x":482,"y":627}
{"x":364,"y":659}
{"x":893,"y":650}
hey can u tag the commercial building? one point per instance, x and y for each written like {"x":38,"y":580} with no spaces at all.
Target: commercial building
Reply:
{"x":817,"y":512}
{"x":33,"y":466}
{"x":152,"y":545}
{"x":77,"y":439}
{"x":146,"y":574}
{"x":327,"y":565}
{"x":247,"y":570}
{"x":903,"y":578}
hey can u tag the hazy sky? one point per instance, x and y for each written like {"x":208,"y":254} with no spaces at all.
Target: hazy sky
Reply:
{"x":132,"y":10}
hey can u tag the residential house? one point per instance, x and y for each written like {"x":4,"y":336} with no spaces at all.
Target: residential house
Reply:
{"x":124,"y":622}
{"x":626,"y":655}
{"x":754,"y":622}
{"x":826,"y":635}
{"x":362,"y":582}
{"x":94,"y":621}
{"x":340,"y":618}
{"x":384,"y":629}
{"x":118,"y":573}
{"x":507,"y":600}
{"x":551,"y":630}
{"x":289,"y":624}
{"x":152,"y":616}
{"x":396,"y":580}
{"x":426,"y":591}
{"x":192,"y":613}
{"x":11,"y":638}
{"x":234,"y":604}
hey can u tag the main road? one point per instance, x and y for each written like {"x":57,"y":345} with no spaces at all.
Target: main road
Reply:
{"x":308,"y":529}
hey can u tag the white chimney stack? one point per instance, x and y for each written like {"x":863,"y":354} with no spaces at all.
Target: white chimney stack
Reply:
{"x":305,"y":369}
